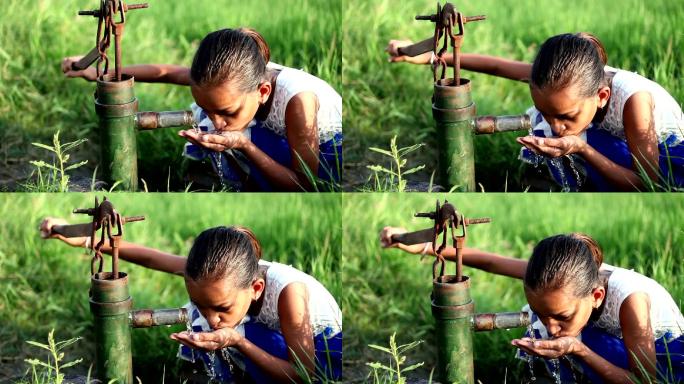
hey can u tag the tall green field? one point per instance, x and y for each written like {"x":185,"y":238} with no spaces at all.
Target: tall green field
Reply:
{"x":387,"y":291}
{"x":44,"y":283}
{"x":36,"y":100}
{"x":382,"y":100}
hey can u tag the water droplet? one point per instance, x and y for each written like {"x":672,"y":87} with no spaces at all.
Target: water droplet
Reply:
{"x":555,"y":372}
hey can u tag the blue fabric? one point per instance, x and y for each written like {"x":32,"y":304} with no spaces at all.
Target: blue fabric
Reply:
{"x":671,"y":160}
{"x":613,"y":350}
{"x":328,"y":351}
{"x":277,"y":148}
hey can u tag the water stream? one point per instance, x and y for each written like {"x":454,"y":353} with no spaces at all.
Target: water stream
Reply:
{"x":555,"y":363}
{"x":219,"y":167}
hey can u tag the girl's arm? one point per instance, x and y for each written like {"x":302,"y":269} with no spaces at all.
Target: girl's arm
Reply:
{"x":146,"y":73}
{"x":491,"y":65}
{"x":635,"y":323}
{"x":641,"y":140}
{"x":134,"y":253}
{"x":489,"y":262}
{"x":302,"y":135}
{"x":293,"y":311}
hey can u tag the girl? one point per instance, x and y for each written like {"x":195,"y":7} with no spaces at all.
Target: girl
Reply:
{"x":263,"y":125}
{"x":621,"y":125}
{"x":616,"y":323}
{"x":272,"y":322}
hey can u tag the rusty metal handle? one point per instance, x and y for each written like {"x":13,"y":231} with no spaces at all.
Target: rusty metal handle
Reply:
{"x":418,"y":48}
{"x":73,"y":230}
{"x":411,"y":238}
{"x":87,"y":60}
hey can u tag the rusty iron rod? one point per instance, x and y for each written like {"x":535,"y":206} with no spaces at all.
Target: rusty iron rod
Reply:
{"x":494,"y":124}
{"x":145,"y":318}
{"x":154,"y":120}
{"x":501,"y":320}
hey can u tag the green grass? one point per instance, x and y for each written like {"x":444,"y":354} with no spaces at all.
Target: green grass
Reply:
{"x":387,"y":291}
{"x":36,"y":100}
{"x":382,"y":100}
{"x":44,"y":284}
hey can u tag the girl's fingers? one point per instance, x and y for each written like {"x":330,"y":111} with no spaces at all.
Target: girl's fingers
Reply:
{"x":195,"y":340}
{"x":529,"y":146}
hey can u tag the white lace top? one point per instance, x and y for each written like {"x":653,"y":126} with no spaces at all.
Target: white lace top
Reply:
{"x":669,"y":119}
{"x":323,"y":309}
{"x":293,"y":81}
{"x":665,"y":314}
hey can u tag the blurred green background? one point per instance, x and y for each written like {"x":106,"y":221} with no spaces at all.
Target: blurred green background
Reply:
{"x":44,"y":283}
{"x":36,"y":100}
{"x":382,"y":100}
{"x":388,"y":291}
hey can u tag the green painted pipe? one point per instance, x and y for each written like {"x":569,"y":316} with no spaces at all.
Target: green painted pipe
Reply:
{"x":453,"y":111}
{"x":110,"y":305}
{"x":116,"y":107}
{"x":453,"y":310}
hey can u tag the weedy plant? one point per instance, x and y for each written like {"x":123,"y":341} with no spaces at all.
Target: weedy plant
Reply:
{"x":53,"y":177}
{"x":51,"y":370}
{"x":394,"y":372}
{"x":393,"y":178}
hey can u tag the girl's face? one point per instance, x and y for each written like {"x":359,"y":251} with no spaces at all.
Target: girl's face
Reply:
{"x":227,"y":108}
{"x":563,"y":313}
{"x":220,"y":302}
{"x":567,"y":113}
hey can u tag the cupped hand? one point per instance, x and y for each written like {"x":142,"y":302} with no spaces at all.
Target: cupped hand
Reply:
{"x":395,"y":57}
{"x":549,"y":349}
{"x":46,"y":232}
{"x":215,"y":142}
{"x":553,"y":146}
{"x":89,"y":73}
{"x":209,"y":341}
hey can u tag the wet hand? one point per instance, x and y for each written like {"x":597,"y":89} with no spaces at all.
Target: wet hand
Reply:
{"x":89,"y":73}
{"x":48,"y":223}
{"x":216,"y":142}
{"x":553,"y":146}
{"x":209,"y":341}
{"x":395,"y":57}
{"x":550,"y":349}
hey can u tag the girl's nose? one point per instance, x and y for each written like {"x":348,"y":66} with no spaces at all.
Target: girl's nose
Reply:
{"x":219,"y":123}
{"x":554,"y":329}
{"x":558,"y":129}
{"x":213,"y":320}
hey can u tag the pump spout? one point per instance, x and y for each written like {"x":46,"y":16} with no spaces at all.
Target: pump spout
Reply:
{"x":145,"y":318}
{"x":496,"y":124}
{"x":501,"y":320}
{"x":153,"y":120}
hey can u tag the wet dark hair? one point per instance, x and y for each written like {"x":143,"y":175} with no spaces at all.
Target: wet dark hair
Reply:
{"x":237,"y":55}
{"x":570,"y":59}
{"x":560,"y":260}
{"x":224,"y":252}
